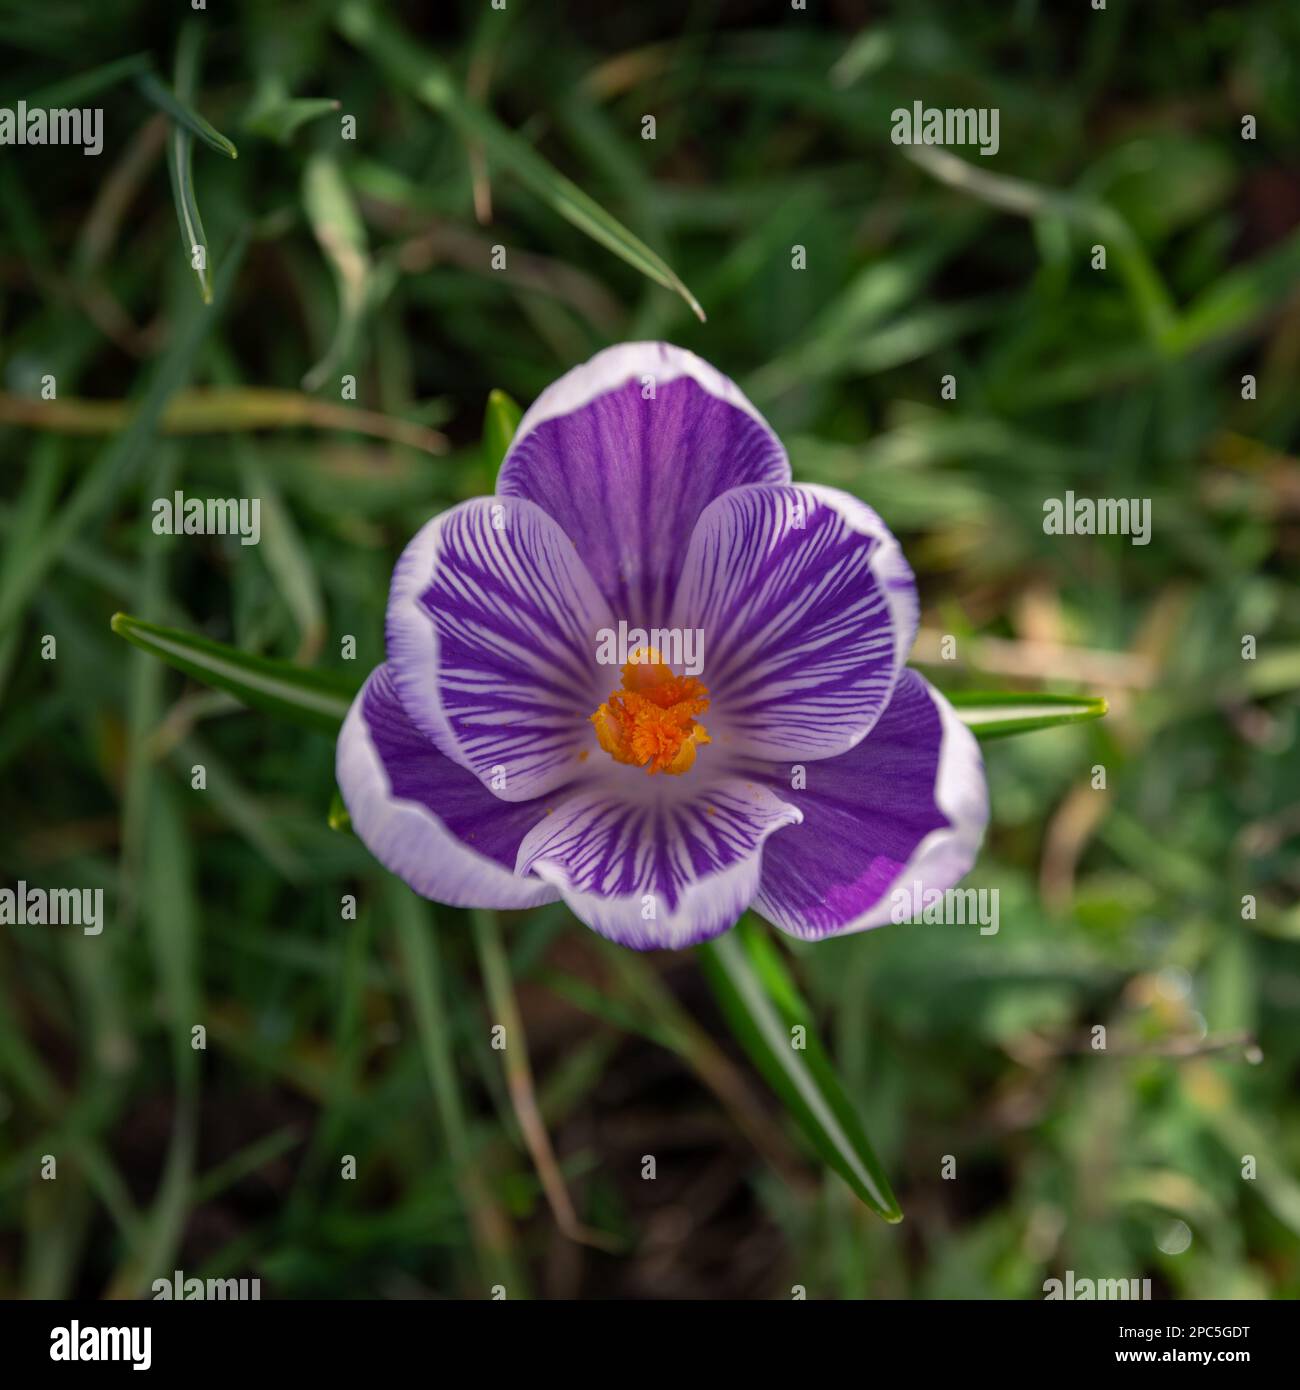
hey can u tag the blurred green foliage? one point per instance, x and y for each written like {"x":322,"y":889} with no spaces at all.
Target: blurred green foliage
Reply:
{"x":372,"y":257}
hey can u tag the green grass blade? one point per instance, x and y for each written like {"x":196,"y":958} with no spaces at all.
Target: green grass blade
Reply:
{"x":339,"y":230}
{"x":279,"y":117}
{"x":119,"y":460}
{"x":1150,"y":295}
{"x":1241,"y":296}
{"x":74,"y":91}
{"x":193,"y":238}
{"x":171,"y":918}
{"x":1013,"y":712}
{"x":422,"y":976}
{"x":318,"y":699}
{"x":183,"y":114}
{"x":428,"y":80}
{"x":763,"y":1007}
{"x":239,"y":808}
{"x":180,"y":150}
{"x":500,"y":421}
{"x":35,"y":505}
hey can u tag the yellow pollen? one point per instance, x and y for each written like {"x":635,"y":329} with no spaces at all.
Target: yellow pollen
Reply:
{"x":650,"y":721}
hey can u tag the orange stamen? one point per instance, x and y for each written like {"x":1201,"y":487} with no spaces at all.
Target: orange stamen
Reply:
{"x":650,"y":721}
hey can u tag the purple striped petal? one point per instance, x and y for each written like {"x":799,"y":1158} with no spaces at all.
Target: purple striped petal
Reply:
{"x":665,"y":872}
{"x":492,"y":623}
{"x":808,"y":611}
{"x":626,"y":476}
{"x":907,"y":805}
{"x":424,"y":817}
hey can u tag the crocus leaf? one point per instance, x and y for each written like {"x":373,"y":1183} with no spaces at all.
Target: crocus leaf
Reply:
{"x":340,"y":818}
{"x":318,"y":699}
{"x":500,"y":421}
{"x":1014,"y":712}
{"x":762,"y":1004}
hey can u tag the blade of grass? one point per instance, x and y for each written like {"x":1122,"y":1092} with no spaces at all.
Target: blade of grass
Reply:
{"x":144,"y":710}
{"x":170,"y":917}
{"x":180,"y":151}
{"x":119,"y":460}
{"x":219,"y":411}
{"x":658,"y":1016}
{"x":183,"y":114}
{"x":279,"y":117}
{"x":1241,"y":297}
{"x":341,"y":235}
{"x":519,"y":1079}
{"x":424,"y":77}
{"x":1151,"y":298}
{"x":318,"y":699}
{"x":245,"y":1162}
{"x":764,"y":1008}
{"x":34,"y":505}
{"x":73,"y":91}
{"x":417,"y":943}
{"x":240,"y":809}
{"x":283,"y":547}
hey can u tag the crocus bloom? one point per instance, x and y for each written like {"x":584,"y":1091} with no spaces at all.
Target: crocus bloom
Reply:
{"x":645,"y":511}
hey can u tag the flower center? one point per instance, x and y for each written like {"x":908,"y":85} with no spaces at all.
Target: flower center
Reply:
{"x":650,"y":721}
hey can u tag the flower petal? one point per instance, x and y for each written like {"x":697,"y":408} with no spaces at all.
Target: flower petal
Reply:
{"x":625,"y":476}
{"x":908,"y":804}
{"x":808,"y":611}
{"x":424,"y":817}
{"x":692,"y":863}
{"x":492,"y":623}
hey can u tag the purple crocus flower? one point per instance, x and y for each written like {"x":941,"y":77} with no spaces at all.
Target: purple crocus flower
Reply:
{"x":655,"y":678}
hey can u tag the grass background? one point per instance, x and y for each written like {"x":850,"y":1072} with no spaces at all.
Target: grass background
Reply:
{"x":328,"y":256}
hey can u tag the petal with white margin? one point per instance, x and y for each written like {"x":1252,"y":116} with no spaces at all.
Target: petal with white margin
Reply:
{"x":808,"y":611}
{"x":626,"y":451}
{"x":651,"y":873}
{"x":424,"y":817}
{"x":908,"y":805}
{"x":492,"y":633}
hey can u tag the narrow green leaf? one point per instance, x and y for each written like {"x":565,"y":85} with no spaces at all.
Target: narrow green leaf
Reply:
{"x":171,"y":919}
{"x":1014,"y":712}
{"x":763,"y":1005}
{"x":1241,"y":296}
{"x":243,"y":811}
{"x":1152,"y":301}
{"x":180,"y":149}
{"x":423,"y":979}
{"x":183,"y":114}
{"x":193,"y":238}
{"x":341,"y":234}
{"x":339,"y":818}
{"x":35,"y":503}
{"x":74,"y":91}
{"x":500,"y":421}
{"x":427,"y":79}
{"x":318,"y":699}
{"x":122,"y":457}
{"x":279,"y":117}
{"x":285,"y":552}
